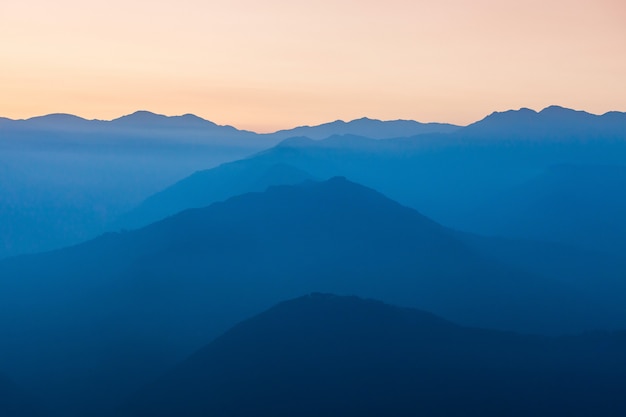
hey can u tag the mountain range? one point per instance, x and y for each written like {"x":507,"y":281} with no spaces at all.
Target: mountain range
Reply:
{"x":134,"y":303}
{"x":94,"y":176}
{"x":513,"y":223}
{"x":371,"y":128}
{"x":89,"y":172}
{"x":145,"y":123}
{"x":523,"y":174}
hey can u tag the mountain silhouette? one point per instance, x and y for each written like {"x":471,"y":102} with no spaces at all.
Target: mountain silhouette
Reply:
{"x":89,"y":172}
{"x":105,"y":316}
{"x":55,"y":121}
{"x":65,"y":179}
{"x":553,"y":123}
{"x":148,"y":121}
{"x":371,"y":128}
{"x":344,"y":356}
{"x":449,"y":177}
{"x":139,"y":121}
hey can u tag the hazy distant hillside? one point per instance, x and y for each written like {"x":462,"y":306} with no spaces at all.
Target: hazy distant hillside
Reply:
{"x":371,"y":128}
{"x":133,"y":303}
{"x":132,"y":127}
{"x":90,"y":172}
{"x":551,"y":123}
{"x":582,"y":205}
{"x":64,"y":179}
{"x":206,"y":187}
{"x":343,"y":356}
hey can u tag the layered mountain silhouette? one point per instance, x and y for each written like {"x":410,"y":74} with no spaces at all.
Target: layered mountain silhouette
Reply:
{"x":89,"y":172}
{"x":144,"y":123}
{"x":138,"y":123}
{"x":86,"y":326}
{"x":344,"y":356}
{"x":103,"y":317}
{"x":451,"y":177}
{"x":64,"y":179}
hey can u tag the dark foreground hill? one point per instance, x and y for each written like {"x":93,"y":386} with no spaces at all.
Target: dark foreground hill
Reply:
{"x":89,"y":324}
{"x":323,"y":355}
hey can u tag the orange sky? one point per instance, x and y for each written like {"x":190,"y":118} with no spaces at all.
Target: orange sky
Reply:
{"x":272,"y":64}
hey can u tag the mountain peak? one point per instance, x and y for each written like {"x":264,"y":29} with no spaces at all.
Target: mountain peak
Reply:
{"x":145,"y":119}
{"x":555,"y":110}
{"x":555,"y":107}
{"x":550,"y":123}
{"x":140,"y":116}
{"x":58,"y":117}
{"x":510,"y":114}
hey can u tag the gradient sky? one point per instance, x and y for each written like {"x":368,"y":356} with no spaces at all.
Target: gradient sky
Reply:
{"x":271,"y":64}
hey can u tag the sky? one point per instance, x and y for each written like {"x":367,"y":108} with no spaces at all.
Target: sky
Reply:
{"x":273,"y":64}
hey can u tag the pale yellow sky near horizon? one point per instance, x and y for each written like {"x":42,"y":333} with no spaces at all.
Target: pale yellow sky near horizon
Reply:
{"x":277,"y":64}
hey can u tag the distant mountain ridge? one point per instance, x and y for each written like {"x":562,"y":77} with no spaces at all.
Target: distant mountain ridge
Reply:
{"x":552,"y":122}
{"x":450,"y":176}
{"x":371,"y":128}
{"x":367,"y":127}
{"x":145,"y":120}
{"x":136,"y":123}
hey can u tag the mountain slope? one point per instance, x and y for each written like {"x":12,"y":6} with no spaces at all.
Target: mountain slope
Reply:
{"x":206,"y":187}
{"x":343,"y":356}
{"x":102,"y":317}
{"x":581,"y":205}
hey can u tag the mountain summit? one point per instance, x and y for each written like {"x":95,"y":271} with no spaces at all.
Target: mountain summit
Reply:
{"x":553,"y":122}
